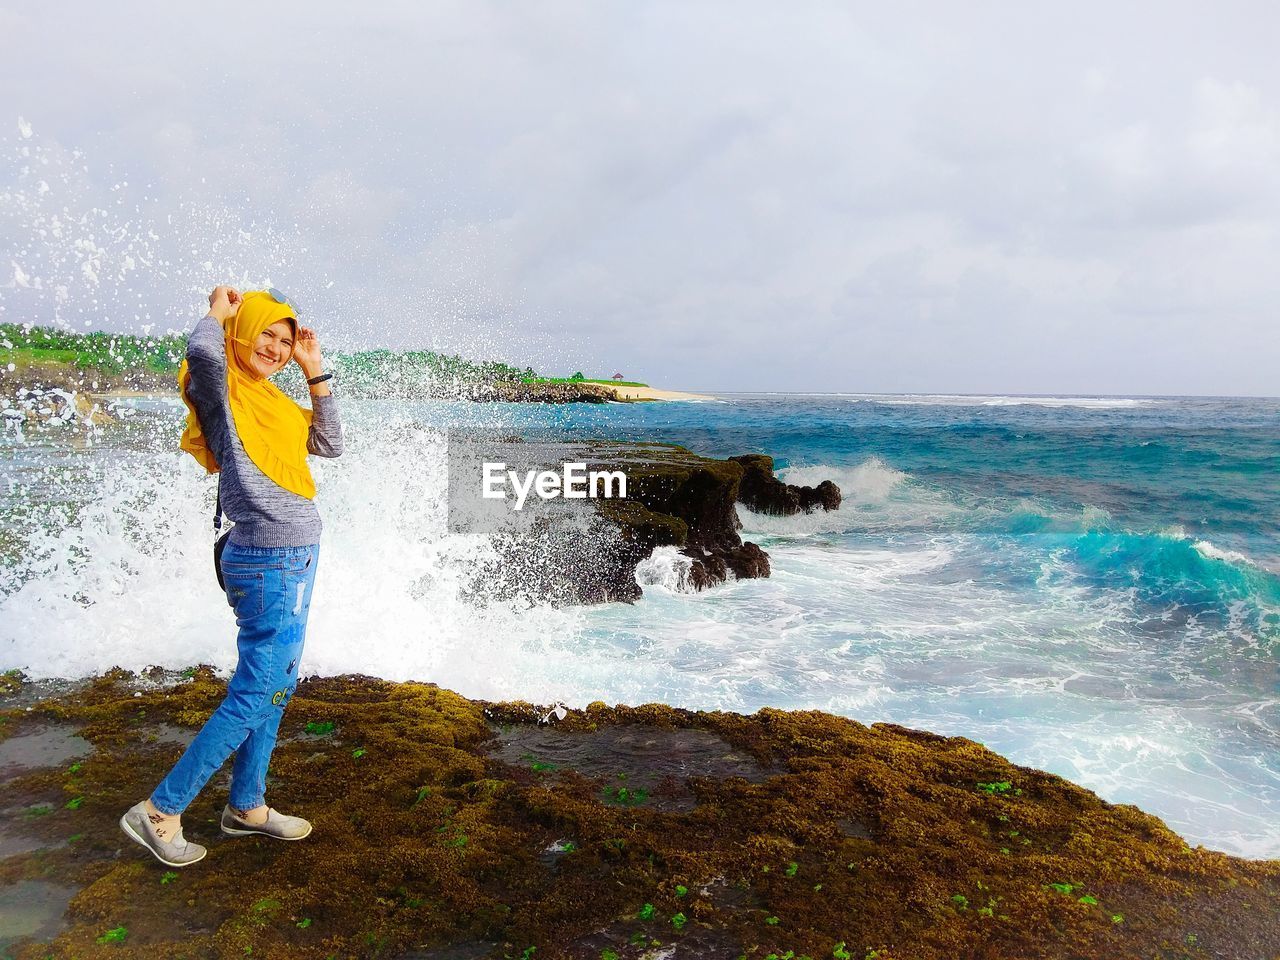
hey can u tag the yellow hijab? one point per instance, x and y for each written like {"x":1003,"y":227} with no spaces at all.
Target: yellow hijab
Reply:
{"x":272,"y":428}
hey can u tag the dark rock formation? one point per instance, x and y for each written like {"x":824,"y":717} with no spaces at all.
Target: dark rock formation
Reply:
{"x":762,"y":492}
{"x":677,"y":498}
{"x":574,"y":392}
{"x":700,"y":494}
{"x":674,"y":498}
{"x":448,"y":827}
{"x":745,"y":562}
{"x":51,"y":406}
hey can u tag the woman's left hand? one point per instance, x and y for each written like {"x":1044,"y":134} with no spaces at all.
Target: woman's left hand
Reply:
{"x":307,"y":352}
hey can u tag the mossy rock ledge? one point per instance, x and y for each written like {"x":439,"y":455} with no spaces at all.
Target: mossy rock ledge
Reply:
{"x":451,"y":828}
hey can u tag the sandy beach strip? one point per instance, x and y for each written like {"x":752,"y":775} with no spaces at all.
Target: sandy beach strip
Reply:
{"x":649,"y":393}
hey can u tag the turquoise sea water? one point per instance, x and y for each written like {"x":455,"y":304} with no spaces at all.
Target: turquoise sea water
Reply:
{"x":1087,"y":585}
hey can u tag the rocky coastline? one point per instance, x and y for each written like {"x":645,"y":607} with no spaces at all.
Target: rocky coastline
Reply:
{"x":559,"y":392}
{"x":448,"y":828}
{"x":573,"y":391}
{"x":53,"y":407}
{"x":675,"y":498}
{"x":62,"y":394}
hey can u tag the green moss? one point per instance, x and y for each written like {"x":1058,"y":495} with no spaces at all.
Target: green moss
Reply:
{"x":647,"y":526}
{"x":1002,"y":787}
{"x":11,"y":682}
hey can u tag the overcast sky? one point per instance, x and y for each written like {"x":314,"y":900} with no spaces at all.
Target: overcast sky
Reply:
{"x":1022,"y":198}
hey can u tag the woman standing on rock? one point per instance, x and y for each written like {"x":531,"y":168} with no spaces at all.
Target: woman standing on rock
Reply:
{"x":242,"y":427}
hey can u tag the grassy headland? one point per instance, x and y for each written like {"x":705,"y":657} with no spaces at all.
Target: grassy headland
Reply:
{"x":48,"y":356}
{"x":579,"y":378}
{"x":106,"y":363}
{"x":112,"y":362}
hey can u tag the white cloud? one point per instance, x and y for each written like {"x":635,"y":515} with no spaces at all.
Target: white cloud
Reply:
{"x":917,"y":198}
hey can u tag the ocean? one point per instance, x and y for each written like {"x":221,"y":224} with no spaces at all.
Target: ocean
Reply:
{"x":1086,"y":585}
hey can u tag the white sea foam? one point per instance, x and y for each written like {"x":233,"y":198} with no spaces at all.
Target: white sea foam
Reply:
{"x":1210,"y":796}
{"x":97,"y":255}
{"x":666,"y":568}
{"x":1210,"y":552}
{"x":875,"y":496}
{"x":872,"y":481}
{"x":131,"y":582}
{"x":967,"y":400}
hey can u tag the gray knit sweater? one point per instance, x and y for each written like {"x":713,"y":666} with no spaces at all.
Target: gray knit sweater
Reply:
{"x":265,"y":513}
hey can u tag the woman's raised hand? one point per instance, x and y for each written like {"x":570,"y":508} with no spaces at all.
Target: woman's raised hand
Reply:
{"x":307,"y":352}
{"x":223,"y":303}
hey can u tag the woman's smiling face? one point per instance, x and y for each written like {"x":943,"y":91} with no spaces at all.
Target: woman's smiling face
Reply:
{"x":273,"y":349}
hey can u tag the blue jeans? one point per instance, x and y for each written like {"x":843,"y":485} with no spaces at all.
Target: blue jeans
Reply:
{"x":270,"y":590}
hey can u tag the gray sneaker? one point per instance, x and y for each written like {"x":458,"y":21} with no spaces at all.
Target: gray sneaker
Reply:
{"x":277,"y":825}
{"x":178,"y":852}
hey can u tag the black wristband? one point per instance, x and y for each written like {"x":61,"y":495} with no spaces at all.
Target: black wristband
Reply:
{"x":320,"y":379}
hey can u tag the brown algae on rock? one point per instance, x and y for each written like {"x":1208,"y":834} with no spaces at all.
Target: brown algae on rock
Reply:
{"x":782,"y":832}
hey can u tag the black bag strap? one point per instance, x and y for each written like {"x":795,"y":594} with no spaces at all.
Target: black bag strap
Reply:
{"x":219,"y":542}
